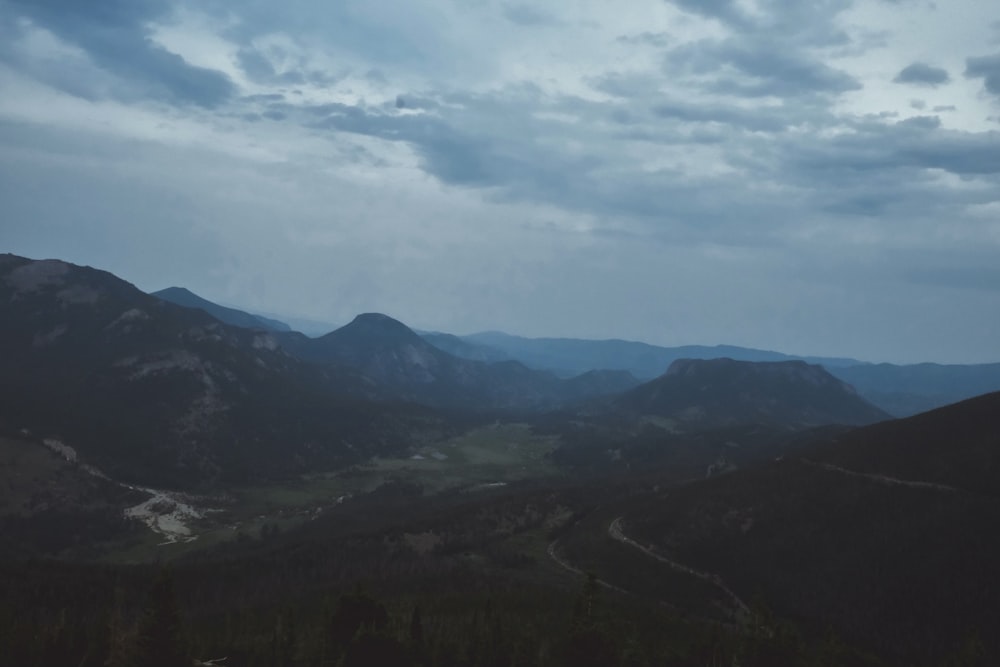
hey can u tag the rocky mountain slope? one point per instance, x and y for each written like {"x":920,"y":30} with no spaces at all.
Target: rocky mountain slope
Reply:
{"x":155,"y":393}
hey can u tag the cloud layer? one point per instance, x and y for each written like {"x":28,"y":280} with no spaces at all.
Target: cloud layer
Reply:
{"x":750,"y":172}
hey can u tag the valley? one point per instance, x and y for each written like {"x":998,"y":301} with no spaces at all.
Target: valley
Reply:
{"x":759,"y":512}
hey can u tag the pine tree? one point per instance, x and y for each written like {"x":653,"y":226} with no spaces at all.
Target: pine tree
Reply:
{"x":159,"y":641}
{"x":588,"y":643}
{"x":121,"y":634}
{"x":417,"y":648}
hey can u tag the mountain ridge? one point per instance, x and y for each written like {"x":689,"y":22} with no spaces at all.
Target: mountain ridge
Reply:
{"x":882,"y":533}
{"x":726,"y":392}
{"x":185,"y":297}
{"x":161,"y":394}
{"x":394,"y":356}
{"x":900,"y":390}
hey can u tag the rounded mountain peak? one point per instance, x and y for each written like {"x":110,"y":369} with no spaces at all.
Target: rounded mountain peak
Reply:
{"x":376,"y":328}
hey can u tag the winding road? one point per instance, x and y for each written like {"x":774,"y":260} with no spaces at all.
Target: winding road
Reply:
{"x":575,"y":570}
{"x":616,"y":533}
{"x":881,"y":479}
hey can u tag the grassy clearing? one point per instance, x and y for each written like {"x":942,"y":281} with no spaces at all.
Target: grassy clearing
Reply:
{"x":496,"y":454}
{"x":492,"y":454}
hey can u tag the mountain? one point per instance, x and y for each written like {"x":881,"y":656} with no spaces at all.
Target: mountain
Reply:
{"x":159,"y":394}
{"x":48,"y":503}
{"x":572,"y":356}
{"x":237,"y":318}
{"x":464,"y":349}
{"x":396,"y":358}
{"x":910,"y":389}
{"x":900,"y":390}
{"x":884,"y":534}
{"x":700,"y":393}
{"x":957,"y":445}
{"x":705,"y":417}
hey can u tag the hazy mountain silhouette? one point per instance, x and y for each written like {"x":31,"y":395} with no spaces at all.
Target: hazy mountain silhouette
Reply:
{"x":459,"y":347}
{"x":900,"y":390}
{"x":396,"y":358}
{"x":573,"y":356}
{"x":910,"y":389}
{"x":238,"y":318}
{"x":700,"y":393}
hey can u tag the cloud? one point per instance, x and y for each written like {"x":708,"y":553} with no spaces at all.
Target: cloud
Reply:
{"x":725,"y":11}
{"x":673,"y":154}
{"x":730,"y":115}
{"x":986,"y":68}
{"x":922,"y":74}
{"x":772,"y":71}
{"x":115,"y":36}
{"x":526,"y":15}
{"x":655,"y":39}
{"x":777,"y":50}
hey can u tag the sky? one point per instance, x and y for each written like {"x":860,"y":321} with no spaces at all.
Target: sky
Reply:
{"x":815,"y":177}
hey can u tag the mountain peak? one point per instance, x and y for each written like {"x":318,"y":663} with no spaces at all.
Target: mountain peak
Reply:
{"x":376,"y":318}
{"x":725,"y":390}
{"x":175,"y":291}
{"x":376,"y":328}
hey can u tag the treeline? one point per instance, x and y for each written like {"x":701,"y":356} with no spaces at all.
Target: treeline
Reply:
{"x":105,"y":623}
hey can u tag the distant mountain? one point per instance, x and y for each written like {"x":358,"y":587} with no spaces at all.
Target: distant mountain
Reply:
{"x":309,"y":327}
{"x":237,"y":318}
{"x":464,"y":349}
{"x":885,"y":534}
{"x":908,"y":390}
{"x":394,"y":357}
{"x":899,"y":390}
{"x":572,"y":356}
{"x":155,"y":393}
{"x":713,"y":393}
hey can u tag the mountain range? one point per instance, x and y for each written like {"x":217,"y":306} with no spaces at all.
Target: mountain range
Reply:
{"x":393,"y":356}
{"x":156,"y":393}
{"x":768,"y":495}
{"x":900,"y":390}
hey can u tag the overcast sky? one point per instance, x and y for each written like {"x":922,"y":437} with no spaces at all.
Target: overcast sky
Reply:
{"x":807,"y":176}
